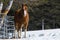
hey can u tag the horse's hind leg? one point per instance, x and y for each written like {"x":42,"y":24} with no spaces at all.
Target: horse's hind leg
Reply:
{"x":16,"y":32}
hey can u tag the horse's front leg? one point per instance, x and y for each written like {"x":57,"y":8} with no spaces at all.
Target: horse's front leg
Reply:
{"x":19,"y":33}
{"x":25,"y":30}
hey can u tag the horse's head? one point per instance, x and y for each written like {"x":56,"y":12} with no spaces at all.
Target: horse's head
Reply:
{"x":24,"y":6}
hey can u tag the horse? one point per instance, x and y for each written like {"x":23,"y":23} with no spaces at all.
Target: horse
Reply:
{"x":21,"y":19}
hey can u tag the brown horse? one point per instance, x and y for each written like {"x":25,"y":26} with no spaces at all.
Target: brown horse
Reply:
{"x":21,"y":19}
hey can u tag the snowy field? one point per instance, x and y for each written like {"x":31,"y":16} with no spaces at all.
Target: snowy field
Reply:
{"x":51,"y":34}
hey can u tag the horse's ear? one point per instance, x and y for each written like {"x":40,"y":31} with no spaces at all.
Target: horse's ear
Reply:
{"x":1,"y":5}
{"x":24,"y":4}
{"x":8,"y":7}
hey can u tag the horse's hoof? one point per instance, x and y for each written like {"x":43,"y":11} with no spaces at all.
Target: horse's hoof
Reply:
{"x":19,"y":37}
{"x":13,"y":38}
{"x":24,"y":37}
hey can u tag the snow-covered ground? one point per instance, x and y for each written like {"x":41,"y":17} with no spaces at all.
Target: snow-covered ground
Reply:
{"x":51,"y":34}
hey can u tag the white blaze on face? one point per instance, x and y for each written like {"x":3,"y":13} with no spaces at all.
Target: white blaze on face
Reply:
{"x":25,"y":12}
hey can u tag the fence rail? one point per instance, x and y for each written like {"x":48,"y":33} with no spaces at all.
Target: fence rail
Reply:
{"x":7,"y":28}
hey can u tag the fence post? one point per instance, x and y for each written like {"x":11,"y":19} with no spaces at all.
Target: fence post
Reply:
{"x":42,"y":24}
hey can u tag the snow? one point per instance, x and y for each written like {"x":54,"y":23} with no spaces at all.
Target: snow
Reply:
{"x":51,"y":34}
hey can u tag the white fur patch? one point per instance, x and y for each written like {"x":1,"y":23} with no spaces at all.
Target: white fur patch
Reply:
{"x":25,"y":12}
